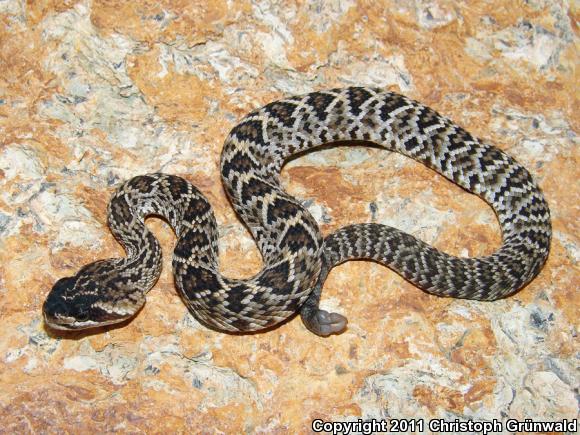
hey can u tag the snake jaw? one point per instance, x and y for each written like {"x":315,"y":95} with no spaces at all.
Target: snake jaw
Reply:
{"x":68,"y":323}
{"x":71,"y":323}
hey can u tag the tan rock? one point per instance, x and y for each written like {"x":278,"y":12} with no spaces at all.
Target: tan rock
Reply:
{"x":94,"y":92}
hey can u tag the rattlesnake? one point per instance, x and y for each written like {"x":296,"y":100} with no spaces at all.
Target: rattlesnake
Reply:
{"x":296,"y":258}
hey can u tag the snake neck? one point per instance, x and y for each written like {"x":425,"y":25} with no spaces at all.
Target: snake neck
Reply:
{"x":142,"y":197}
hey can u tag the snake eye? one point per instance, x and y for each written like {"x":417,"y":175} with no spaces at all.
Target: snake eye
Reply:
{"x":83,"y":316}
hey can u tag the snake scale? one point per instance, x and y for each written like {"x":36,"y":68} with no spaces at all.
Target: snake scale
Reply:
{"x":296,"y":258}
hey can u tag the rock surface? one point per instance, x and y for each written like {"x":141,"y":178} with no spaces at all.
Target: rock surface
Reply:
{"x":94,"y":92}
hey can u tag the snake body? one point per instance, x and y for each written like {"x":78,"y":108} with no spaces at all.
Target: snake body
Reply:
{"x":296,"y":258}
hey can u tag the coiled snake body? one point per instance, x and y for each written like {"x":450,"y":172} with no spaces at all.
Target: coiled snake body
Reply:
{"x":296,"y":258}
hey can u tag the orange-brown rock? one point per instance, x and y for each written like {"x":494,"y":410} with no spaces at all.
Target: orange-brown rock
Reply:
{"x":94,"y":92}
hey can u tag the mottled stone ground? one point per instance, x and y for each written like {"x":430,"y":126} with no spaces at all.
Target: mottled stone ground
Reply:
{"x":92,"y":93}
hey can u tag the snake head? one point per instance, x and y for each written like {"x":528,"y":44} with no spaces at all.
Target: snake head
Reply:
{"x":78,"y":302}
